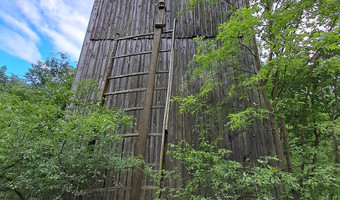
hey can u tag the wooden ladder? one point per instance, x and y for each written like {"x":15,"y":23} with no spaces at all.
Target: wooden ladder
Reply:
{"x":143,"y":127}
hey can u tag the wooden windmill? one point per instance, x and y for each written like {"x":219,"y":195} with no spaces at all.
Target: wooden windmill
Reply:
{"x":138,"y":52}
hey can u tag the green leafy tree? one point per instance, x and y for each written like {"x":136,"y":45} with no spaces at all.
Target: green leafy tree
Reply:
{"x":213,"y":176}
{"x":295,"y":46}
{"x":47,"y":151}
{"x":6,"y":80}
{"x":3,"y":77}
{"x":53,"y":69}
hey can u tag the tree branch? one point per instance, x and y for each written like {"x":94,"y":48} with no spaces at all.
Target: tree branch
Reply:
{"x":17,"y":192}
{"x":12,"y":165}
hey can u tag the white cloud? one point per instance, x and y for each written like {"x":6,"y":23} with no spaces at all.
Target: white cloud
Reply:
{"x":30,"y":10}
{"x":67,"y":23}
{"x":17,"y":45}
{"x":74,"y":33}
{"x":62,"y":22}
{"x":62,"y":43}
{"x":20,"y":26}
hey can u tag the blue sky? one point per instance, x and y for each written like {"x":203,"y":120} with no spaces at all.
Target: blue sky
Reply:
{"x":32,"y":29}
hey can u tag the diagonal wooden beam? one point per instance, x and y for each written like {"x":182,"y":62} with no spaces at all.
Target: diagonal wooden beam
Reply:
{"x":137,"y":176}
{"x":167,"y":110}
{"x":108,"y":70}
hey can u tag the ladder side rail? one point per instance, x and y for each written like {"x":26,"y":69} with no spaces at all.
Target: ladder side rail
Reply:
{"x":167,"y":106}
{"x":136,"y":192}
{"x":108,"y":71}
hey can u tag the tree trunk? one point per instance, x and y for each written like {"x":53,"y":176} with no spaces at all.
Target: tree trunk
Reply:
{"x":287,"y":148}
{"x":302,"y":134}
{"x":285,"y":141}
{"x":273,"y":123}
{"x":315,"y":130}
{"x":333,"y":117}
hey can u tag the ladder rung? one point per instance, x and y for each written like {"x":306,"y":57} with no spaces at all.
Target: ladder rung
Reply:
{"x":140,"y":53}
{"x":141,"y":108}
{"x":168,"y":31}
{"x":144,"y":187}
{"x":142,"y":35}
{"x":108,"y":189}
{"x":128,"y":75}
{"x":137,"y":134}
{"x":132,"y":36}
{"x":132,"y":109}
{"x":131,"y":91}
{"x":148,"y":187}
{"x":135,"y":74}
{"x":152,"y":164}
{"x":162,"y":88}
{"x":126,"y":91}
{"x":129,"y":135}
{"x":161,"y":72}
{"x":155,"y":134}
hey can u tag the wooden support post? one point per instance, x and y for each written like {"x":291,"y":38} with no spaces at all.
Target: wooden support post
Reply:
{"x":140,"y":148}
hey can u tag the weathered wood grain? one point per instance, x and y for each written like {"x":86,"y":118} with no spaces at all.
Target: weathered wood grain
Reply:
{"x":113,"y":19}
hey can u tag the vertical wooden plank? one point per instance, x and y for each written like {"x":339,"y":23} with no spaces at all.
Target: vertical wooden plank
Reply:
{"x":100,"y":19}
{"x":115,"y":31}
{"x":86,"y":44}
{"x":122,"y":175}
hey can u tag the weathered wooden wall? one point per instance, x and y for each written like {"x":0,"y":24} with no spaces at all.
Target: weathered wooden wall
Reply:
{"x":118,"y":18}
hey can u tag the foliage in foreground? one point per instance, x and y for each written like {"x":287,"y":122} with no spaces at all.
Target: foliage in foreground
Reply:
{"x":212,"y":176}
{"x":48,"y":151}
{"x":298,"y":74}
{"x":295,"y":49}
